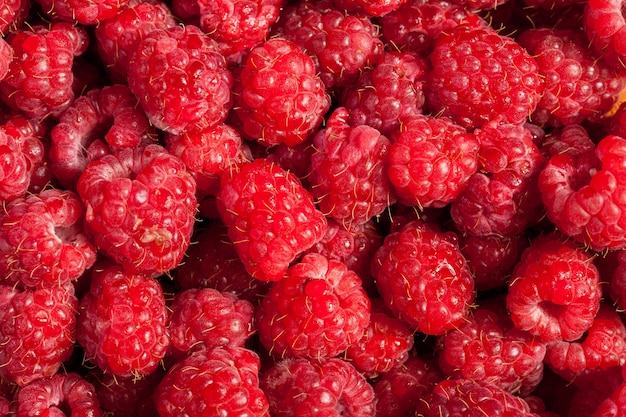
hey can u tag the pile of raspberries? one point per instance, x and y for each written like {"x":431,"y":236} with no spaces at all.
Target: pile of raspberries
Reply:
{"x":312,"y":208}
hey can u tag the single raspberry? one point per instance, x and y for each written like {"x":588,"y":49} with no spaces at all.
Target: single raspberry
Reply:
{"x":180,"y":79}
{"x":349,"y":171}
{"x":37,"y":333}
{"x":376,"y":8}
{"x":89,"y":12}
{"x":118,"y":36}
{"x":478,"y":74}
{"x":578,"y":84}
{"x":278,"y":97}
{"x":140,"y":206}
{"x":387,"y":95}
{"x":554,"y":291}
{"x":317,"y":311}
{"x":341,"y":45}
{"x":39,"y":82}
{"x":465,"y":398}
{"x":329,"y":387}
{"x":502,"y":197}
{"x":60,"y":395}
{"x":42,"y":242}
{"x":13,"y":13}
{"x":125,"y":397}
{"x":271,"y":218}
{"x":431,"y":161}
{"x":122,"y":323}
{"x":423,"y":277}
{"x":212,"y":382}
{"x":206,"y":318}
{"x":605,"y":26}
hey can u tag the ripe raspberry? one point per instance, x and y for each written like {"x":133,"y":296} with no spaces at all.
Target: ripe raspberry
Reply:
{"x":89,"y":12}
{"x":206,"y":318}
{"x":42,"y":243}
{"x":296,"y":159}
{"x":431,"y":160}
{"x":387,"y":95}
{"x":615,"y":406}
{"x":605,"y":26}
{"x":594,"y":389}
{"x":213,"y":382}
{"x":118,"y":36}
{"x":39,"y":82}
{"x":278,"y":96}
{"x":60,"y":394}
{"x":125,"y":397}
{"x":180,"y":79}
{"x":423,"y":277}
{"x":376,"y":8}
{"x":329,"y":387}
{"x":502,"y":198}
{"x":122,"y":325}
{"x":341,"y":45}
{"x":554,"y":292}
{"x":479,"y":75}
{"x":317,"y":311}
{"x":271,"y":218}
{"x":12,"y":15}
{"x":616,"y":277}
{"x":37,"y":333}
{"x":140,"y":207}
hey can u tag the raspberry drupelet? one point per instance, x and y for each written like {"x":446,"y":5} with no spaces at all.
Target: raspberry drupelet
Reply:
{"x":89,"y":12}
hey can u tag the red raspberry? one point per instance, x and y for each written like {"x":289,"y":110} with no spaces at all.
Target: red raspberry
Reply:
{"x":617,"y":278}
{"x":615,"y":406}
{"x":279,"y":98}
{"x":271,"y":218}
{"x":125,"y":397}
{"x":330,"y":387}
{"x":554,"y":291}
{"x":341,"y":45}
{"x":37,"y":333}
{"x":502,"y":198}
{"x":212,"y":382}
{"x":42,"y":243}
{"x":572,"y":139}
{"x":296,"y":158}
{"x":317,"y":311}
{"x":480,"y":5}
{"x":376,"y":8}
{"x":140,"y":207}
{"x":39,"y":82}
{"x":180,"y":79}
{"x":90,"y":12}
{"x":594,"y":389}
{"x":479,"y":75}
{"x":605,"y":26}
{"x":60,"y":395}
{"x":122,"y":325}
{"x":387,"y":95}
{"x":118,"y":36}
{"x":431,"y":160}
{"x":12,"y":15}
{"x":423,"y":277}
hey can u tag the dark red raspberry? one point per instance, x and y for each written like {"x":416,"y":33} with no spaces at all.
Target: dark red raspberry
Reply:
{"x":572,"y":139}
{"x":554,"y":291}
{"x":125,"y":397}
{"x":296,"y":158}
{"x":122,"y":325}
{"x":303,"y":387}
{"x":593,"y":390}
{"x":180,"y":79}
{"x":140,"y":206}
{"x":431,"y":160}
{"x":271,"y":218}
{"x":211,"y":382}
{"x":375,"y":8}
{"x":37,"y":333}
{"x":279,"y":98}
{"x":605,"y":26}
{"x":478,"y":75}
{"x":615,"y":406}
{"x":85,"y":12}
{"x":617,"y":278}
{"x":480,"y":5}
{"x":423,"y":277}
{"x":341,"y":45}
{"x":317,"y":311}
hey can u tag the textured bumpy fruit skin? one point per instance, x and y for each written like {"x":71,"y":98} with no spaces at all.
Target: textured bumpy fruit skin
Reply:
{"x":89,"y":12}
{"x":271,"y":218}
{"x":303,"y":387}
{"x":140,"y":206}
{"x":423,"y":277}
{"x":605,"y":26}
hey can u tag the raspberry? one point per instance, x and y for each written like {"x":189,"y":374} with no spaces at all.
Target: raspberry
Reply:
{"x":341,"y":45}
{"x":331,"y":387}
{"x":125,"y":397}
{"x":140,"y":207}
{"x":554,"y":292}
{"x":317,"y":311}
{"x":279,"y":98}
{"x":271,"y":218}
{"x":42,"y":243}
{"x":479,"y":75}
{"x":431,"y":161}
{"x":296,"y":158}
{"x":613,"y":406}
{"x":605,"y":26}
{"x":349,"y":171}
{"x":89,"y":12}
{"x":211,"y":382}
{"x":617,"y":279}
{"x":29,"y":317}
{"x":376,"y":8}
{"x":180,"y":79}
{"x":12,"y":15}
{"x":122,"y":325}
{"x":423,"y":277}
{"x":594,"y":389}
